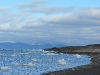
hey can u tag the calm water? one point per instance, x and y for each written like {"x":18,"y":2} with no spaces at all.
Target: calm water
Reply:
{"x":36,"y":62}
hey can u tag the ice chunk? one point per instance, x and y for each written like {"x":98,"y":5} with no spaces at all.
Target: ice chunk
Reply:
{"x":34,"y":59}
{"x":1,"y":54}
{"x":78,"y":56}
{"x":31,"y":65}
{"x":62,"y":62}
{"x":14,"y":55}
{"x":4,"y":68}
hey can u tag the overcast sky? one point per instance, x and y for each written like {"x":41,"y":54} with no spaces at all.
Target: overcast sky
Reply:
{"x":71,"y":22}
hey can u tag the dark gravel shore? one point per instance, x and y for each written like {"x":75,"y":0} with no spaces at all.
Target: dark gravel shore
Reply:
{"x":91,"y":69}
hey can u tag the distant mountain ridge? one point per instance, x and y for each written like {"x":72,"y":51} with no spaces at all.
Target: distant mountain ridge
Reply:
{"x":20,"y":45}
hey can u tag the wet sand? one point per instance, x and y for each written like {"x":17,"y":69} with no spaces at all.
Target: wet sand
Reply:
{"x":91,"y":69}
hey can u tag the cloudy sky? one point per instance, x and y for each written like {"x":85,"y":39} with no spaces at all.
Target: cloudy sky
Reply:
{"x":71,"y":22}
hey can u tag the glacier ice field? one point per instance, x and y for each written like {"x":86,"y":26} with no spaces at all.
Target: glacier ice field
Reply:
{"x":37,"y":62}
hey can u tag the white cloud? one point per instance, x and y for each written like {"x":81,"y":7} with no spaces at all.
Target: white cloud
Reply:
{"x":4,"y":26}
{"x":3,"y":9}
{"x":41,"y":6}
{"x":78,"y":26}
{"x":31,"y":4}
{"x":52,"y":10}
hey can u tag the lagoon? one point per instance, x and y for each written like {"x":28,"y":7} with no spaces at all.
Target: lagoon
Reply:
{"x":37,"y":62}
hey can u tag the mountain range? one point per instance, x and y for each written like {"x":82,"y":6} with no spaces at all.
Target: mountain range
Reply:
{"x":20,"y":45}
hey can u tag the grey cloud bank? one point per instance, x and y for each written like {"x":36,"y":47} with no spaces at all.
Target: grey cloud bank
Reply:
{"x":3,"y":9}
{"x":31,"y":4}
{"x":52,"y":10}
{"x":69,"y":25}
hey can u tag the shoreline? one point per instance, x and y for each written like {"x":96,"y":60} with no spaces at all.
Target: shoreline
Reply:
{"x":90,"y":69}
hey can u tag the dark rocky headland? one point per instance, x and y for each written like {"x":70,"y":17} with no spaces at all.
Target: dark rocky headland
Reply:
{"x":92,"y":69}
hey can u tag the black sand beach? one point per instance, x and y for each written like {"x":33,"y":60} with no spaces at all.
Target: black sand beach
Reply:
{"x":91,"y":69}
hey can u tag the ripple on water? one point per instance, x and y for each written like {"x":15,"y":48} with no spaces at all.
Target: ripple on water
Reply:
{"x":36,"y":62}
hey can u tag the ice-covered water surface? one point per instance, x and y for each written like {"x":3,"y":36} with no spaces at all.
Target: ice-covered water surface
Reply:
{"x":37,"y":62}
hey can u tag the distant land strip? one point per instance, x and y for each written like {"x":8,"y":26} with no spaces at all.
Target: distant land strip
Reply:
{"x":88,"y":49}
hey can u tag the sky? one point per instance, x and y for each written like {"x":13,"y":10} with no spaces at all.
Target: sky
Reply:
{"x":70,"y":22}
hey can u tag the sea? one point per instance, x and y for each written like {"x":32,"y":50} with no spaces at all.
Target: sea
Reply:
{"x":38,"y":61}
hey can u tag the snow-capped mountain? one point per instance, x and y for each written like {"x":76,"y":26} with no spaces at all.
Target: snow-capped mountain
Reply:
{"x":20,"y":45}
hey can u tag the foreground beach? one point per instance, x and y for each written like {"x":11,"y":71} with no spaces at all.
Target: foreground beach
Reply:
{"x":92,"y":69}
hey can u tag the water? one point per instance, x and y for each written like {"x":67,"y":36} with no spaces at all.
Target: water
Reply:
{"x":37,"y":62}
